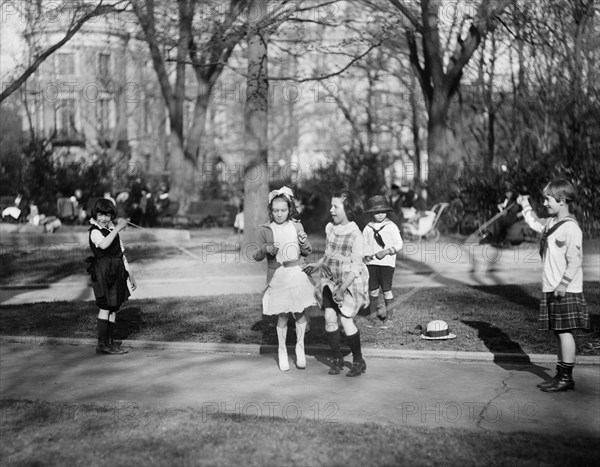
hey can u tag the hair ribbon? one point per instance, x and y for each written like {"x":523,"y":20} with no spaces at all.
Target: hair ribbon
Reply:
{"x":284,"y":190}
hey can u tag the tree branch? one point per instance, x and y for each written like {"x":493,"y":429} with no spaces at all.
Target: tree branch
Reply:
{"x":329,"y":75}
{"x":74,"y":27}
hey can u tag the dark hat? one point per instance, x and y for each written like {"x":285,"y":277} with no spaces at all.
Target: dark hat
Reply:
{"x":377,"y":204}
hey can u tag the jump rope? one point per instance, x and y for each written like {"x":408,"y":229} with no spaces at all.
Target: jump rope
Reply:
{"x":175,"y":244}
{"x":401,"y":299}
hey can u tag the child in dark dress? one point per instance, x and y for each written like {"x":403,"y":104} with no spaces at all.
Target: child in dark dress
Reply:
{"x":109,"y":272}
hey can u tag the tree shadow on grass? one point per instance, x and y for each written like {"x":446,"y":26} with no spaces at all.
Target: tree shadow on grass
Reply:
{"x":514,"y":293}
{"x":508,"y":354}
{"x":129,"y":322}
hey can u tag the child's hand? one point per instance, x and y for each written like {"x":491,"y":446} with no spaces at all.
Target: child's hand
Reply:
{"x":381,"y":254}
{"x":369,"y":257}
{"x":522,"y":200}
{"x":310,"y":268}
{"x":338,"y":295}
{"x":121,"y":224}
{"x":302,"y":237}
{"x":132,"y":282}
{"x":270,"y":249}
{"x":560,"y":291}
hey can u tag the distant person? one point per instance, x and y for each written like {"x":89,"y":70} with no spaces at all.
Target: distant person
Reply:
{"x":13,"y":212}
{"x":109,"y":272}
{"x":162,"y":200}
{"x":396,"y":198}
{"x":238,"y":221}
{"x":343,"y":287}
{"x":283,"y":242}
{"x":149,"y":209}
{"x":65,"y":209}
{"x":79,"y":204}
{"x":382,"y":242}
{"x":511,"y":212}
{"x":563,"y":307}
{"x":123,"y":202}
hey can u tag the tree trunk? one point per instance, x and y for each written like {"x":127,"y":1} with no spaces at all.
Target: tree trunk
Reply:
{"x":197,"y":129}
{"x":415,"y":129}
{"x":182,"y":174}
{"x":256,"y":176}
{"x":438,"y":145}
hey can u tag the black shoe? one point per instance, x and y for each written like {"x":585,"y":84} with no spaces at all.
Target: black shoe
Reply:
{"x":562,"y":384}
{"x":118,"y":350}
{"x":103,"y":349}
{"x":358,"y":368}
{"x":550,"y":382}
{"x":115,"y":345}
{"x":337,"y":366}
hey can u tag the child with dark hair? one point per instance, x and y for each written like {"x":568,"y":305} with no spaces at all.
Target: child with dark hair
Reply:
{"x":343,"y":287}
{"x":109,"y":272}
{"x":283,"y":242}
{"x":563,"y":307}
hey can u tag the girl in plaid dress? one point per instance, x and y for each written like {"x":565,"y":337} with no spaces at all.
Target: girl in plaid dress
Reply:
{"x":343,"y":286}
{"x":563,"y":307}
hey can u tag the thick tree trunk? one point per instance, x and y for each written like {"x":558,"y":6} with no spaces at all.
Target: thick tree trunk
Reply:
{"x":197,"y":130}
{"x":256,"y":176}
{"x":438,"y":147}
{"x":182,"y":174}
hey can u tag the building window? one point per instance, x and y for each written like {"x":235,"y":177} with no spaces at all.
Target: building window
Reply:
{"x":47,"y":68}
{"x":65,"y":118}
{"x":104,"y":65}
{"x":66,"y":64}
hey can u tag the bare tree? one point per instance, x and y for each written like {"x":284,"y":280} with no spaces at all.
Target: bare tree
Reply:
{"x":438,"y":65}
{"x":79,"y":13}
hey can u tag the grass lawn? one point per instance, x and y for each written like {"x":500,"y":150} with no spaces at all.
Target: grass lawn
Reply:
{"x":485,"y":318}
{"x":38,"y":433}
{"x":41,"y":264}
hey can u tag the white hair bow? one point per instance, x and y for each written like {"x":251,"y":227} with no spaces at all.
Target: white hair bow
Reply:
{"x":284,"y":190}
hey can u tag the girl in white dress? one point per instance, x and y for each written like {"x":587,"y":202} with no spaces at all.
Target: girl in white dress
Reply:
{"x":283,"y":242}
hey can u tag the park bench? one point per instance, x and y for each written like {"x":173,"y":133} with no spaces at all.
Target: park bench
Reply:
{"x":206,"y":213}
{"x":170,"y":216}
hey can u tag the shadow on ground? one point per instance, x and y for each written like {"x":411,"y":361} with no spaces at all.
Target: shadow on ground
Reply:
{"x":499,"y":343}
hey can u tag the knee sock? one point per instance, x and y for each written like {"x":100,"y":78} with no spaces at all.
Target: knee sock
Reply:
{"x":333,"y":338}
{"x":373,"y":305}
{"x":102,"y":331}
{"x":112,"y":322}
{"x":300,"y":332}
{"x":389,"y":310}
{"x":567,"y":367}
{"x":281,"y":337}
{"x":354,"y":343}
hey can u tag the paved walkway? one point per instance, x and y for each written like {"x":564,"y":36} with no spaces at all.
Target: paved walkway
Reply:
{"x":434,"y":393}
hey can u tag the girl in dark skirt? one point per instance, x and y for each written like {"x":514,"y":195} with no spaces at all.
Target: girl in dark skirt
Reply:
{"x":563,"y":307}
{"x":109,"y":272}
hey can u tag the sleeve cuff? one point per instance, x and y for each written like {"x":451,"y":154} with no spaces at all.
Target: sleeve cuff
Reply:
{"x":565,"y":281}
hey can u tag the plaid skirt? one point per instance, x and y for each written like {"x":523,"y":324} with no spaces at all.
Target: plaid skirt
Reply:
{"x":563,"y":314}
